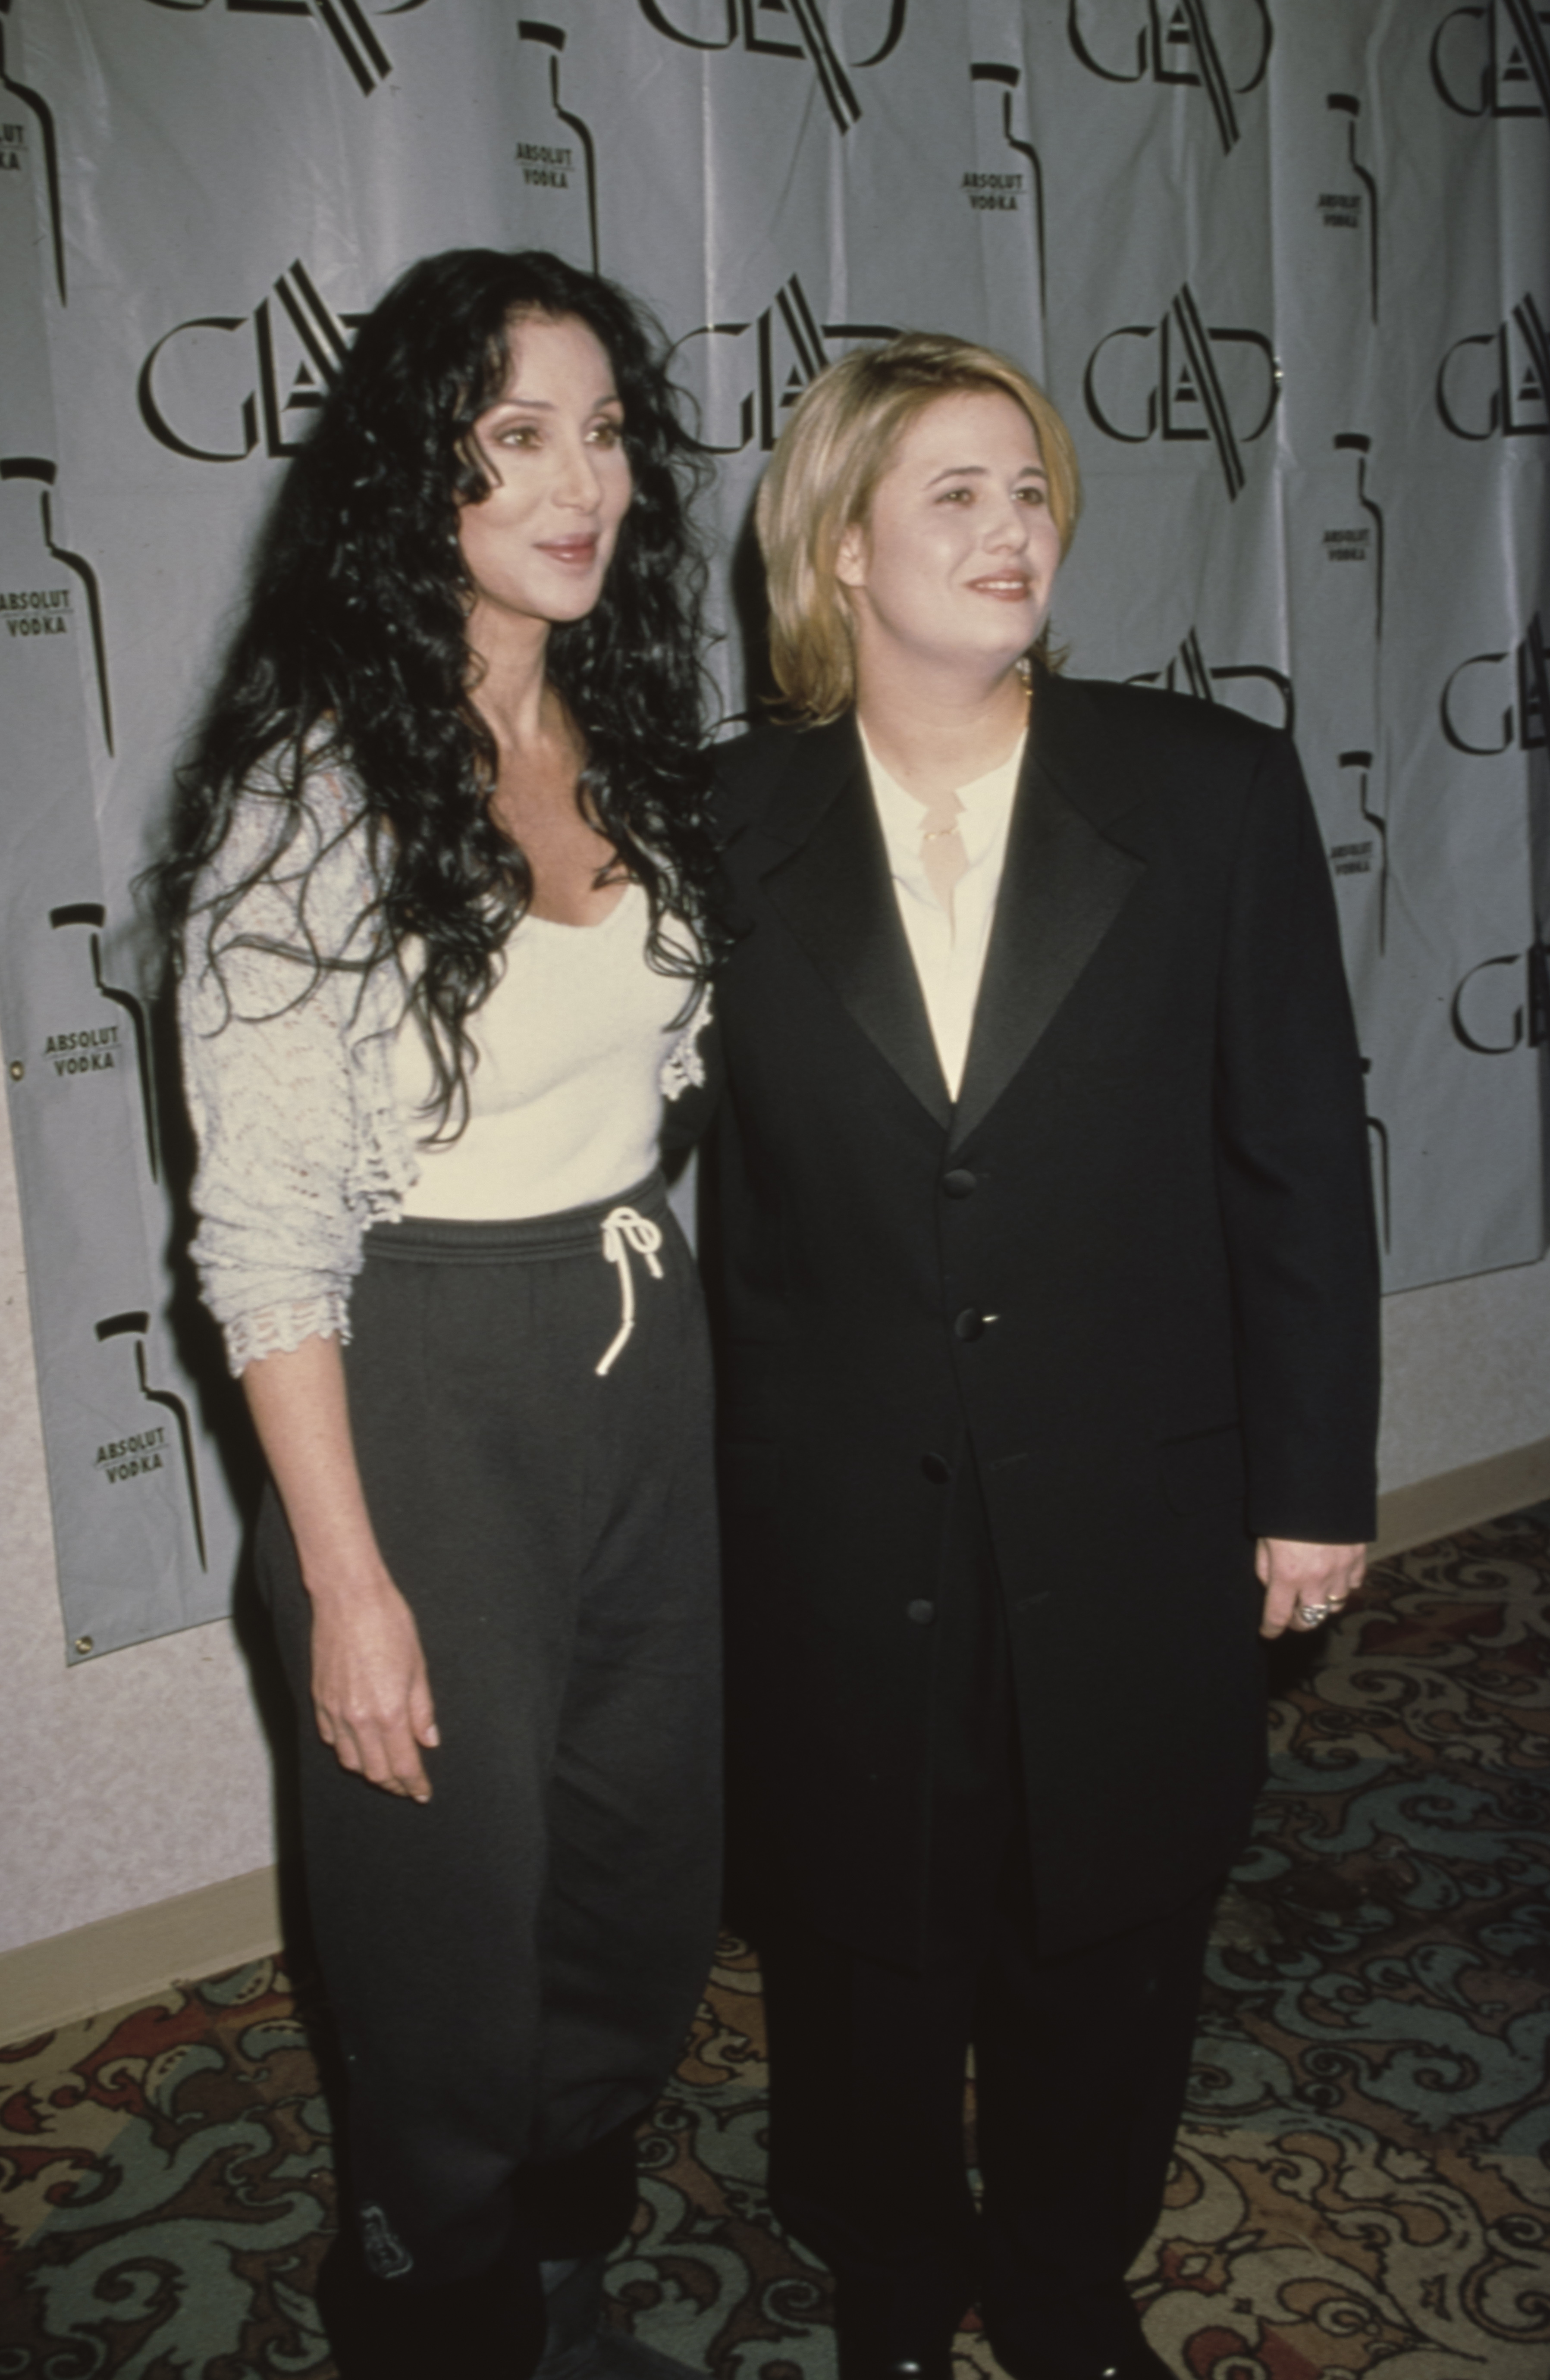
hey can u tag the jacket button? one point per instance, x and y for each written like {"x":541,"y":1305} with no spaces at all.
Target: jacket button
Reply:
{"x":970,"y":1324}
{"x":960,"y":1183}
{"x":921,"y":1612}
{"x":938,"y":1469}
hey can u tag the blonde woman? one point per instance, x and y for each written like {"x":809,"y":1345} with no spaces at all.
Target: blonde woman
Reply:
{"x":1046,"y":1282}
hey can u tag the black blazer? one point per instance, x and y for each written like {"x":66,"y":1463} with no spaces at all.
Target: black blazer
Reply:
{"x":1133,"y":1267}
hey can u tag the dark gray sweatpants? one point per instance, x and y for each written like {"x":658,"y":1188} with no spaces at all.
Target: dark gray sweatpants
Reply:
{"x":513,"y":1966}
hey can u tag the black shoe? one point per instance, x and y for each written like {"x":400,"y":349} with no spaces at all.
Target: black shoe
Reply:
{"x":576,"y":2343}
{"x":934,"y":2366}
{"x":1135,"y":2360}
{"x":884,"y":2333}
{"x":487,"y":2327}
{"x":932,"y":2363}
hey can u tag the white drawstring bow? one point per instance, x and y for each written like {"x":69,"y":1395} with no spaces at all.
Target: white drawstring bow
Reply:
{"x":623,"y":1230}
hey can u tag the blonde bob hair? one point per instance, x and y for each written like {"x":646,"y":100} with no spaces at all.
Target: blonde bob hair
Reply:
{"x":833,"y":452}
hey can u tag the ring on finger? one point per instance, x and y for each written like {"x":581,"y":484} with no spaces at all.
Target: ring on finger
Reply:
{"x":1310,"y":1614}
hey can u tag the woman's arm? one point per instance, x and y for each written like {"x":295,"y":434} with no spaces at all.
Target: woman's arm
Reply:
{"x":1295,"y":1187}
{"x":371,"y":1692}
{"x":1297,"y":1211}
{"x":286,"y":1075}
{"x":294,"y":1160}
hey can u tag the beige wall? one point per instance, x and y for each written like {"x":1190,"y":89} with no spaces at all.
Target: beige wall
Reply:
{"x":144,"y":1775}
{"x":1466,"y":1372}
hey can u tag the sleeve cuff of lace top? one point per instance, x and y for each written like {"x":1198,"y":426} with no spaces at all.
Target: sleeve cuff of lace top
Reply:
{"x":683,"y":1069}
{"x":279,"y":1330}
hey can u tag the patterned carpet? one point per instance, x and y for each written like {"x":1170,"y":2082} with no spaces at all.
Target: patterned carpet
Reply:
{"x":1362,"y":2184}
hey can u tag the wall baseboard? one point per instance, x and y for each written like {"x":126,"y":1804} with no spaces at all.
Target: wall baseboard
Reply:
{"x":1462,"y":1499}
{"x":122,"y":1959}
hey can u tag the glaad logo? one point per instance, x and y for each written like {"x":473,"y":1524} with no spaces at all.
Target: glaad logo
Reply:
{"x":1177,"y":43}
{"x":94,"y":1046}
{"x":143,"y":1451}
{"x":789,"y":352}
{"x":191,"y":378}
{"x":1189,"y":672}
{"x":1496,"y":1011}
{"x":1506,"y":390}
{"x":1469,"y":699}
{"x":1493,"y":59}
{"x":765,"y":27}
{"x":36,"y":466}
{"x":345,"y":23}
{"x":1176,"y":388}
{"x":49,"y":150}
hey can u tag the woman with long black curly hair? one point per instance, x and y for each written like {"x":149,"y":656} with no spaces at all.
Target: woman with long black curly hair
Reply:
{"x":439,"y":886}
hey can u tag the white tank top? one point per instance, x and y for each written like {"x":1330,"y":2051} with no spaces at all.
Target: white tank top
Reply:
{"x":564,"y":1104}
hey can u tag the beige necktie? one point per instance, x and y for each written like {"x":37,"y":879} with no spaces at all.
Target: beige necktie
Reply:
{"x":942,"y":853}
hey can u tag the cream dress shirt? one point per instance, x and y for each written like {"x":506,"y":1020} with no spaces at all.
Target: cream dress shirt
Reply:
{"x":948,"y":949}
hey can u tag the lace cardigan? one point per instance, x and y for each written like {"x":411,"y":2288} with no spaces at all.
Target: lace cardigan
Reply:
{"x":288,"y":1074}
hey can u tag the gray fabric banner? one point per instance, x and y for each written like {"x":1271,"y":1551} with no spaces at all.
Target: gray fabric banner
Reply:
{"x":1281,"y":263}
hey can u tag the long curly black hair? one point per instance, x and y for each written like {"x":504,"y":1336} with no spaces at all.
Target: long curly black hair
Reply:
{"x":353,"y":651}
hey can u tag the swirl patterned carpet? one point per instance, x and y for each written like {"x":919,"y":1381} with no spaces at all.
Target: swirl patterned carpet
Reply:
{"x":1362,"y":2185}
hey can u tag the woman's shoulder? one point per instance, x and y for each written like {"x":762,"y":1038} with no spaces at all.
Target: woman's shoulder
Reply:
{"x":313,"y":775}
{"x":1154,"y":721}
{"x":760,"y":749}
{"x":299,"y":803}
{"x":1188,"y":773}
{"x":744,"y":768}
{"x":296,"y":867}
{"x":1156,"y":709}
{"x":748,"y":768}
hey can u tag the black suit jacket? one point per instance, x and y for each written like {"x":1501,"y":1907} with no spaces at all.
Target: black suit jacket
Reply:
{"x":1132,"y":1268}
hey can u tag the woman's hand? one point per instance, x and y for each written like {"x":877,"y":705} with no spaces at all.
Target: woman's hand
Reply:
{"x":370,"y":1688}
{"x":1305,"y":1585}
{"x":371,"y":1692}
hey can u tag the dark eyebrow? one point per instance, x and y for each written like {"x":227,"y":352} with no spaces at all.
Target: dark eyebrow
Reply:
{"x":542,"y":404}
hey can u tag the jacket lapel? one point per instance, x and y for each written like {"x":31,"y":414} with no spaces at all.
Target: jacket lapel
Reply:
{"x":1063,"y":885}
{"x":831,"y":885}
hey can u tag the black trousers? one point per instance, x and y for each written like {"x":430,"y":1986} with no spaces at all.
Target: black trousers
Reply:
{"x":513,"y":1966}
{"x":1080,"y":2060}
